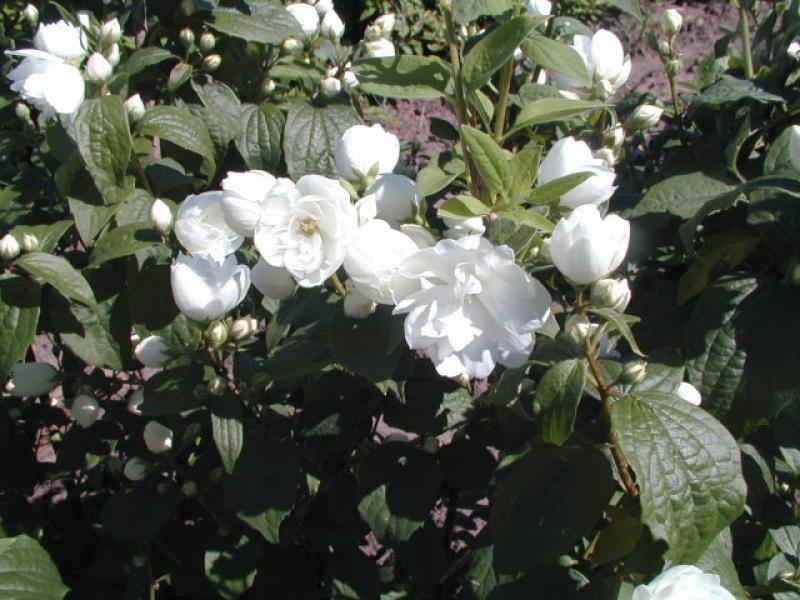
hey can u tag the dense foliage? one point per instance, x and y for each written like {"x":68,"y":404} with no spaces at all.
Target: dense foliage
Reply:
{"x":249,"y":350}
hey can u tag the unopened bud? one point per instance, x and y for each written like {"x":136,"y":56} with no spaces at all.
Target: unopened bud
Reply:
{"x":135,"y":400}
{"x":112,"y":55}
{"x":670,"y":22}
{"x":31,"y":14}
{"x":85,"y":410}
{"x":153,"y":351}
{"x":673,"y":67}
{"x":268,"y":86}
{"x":607,"y":156}
{"x":292,"y":45}
{"x":615,"y":136}
{"x":30,"y":243}
{"x":212,"y":62}
{"x":187,"y":37}
{"x":356,"y":304}
{"x":611,"y":293}
{"x":135,"y":107}
{"x":217,"y":386}
{"x":98,"y":68}
{"x":330,"y":87}
{"x":207,"y":42}
{"x":110,"y":32}
{"x":161,"y":216}
{"x":136,"y":469}
{"x":633,"y":372}
{"x":9,"y":247}
{"x":386,"y":24}
{"x":157,"y":438}
{"x":603,"y":89}
{"x":578,"y":329}
{"x":216,"y":334}
{"x":243,"y":329}
{"x":644,"y":116}
{"x":23,"y":112}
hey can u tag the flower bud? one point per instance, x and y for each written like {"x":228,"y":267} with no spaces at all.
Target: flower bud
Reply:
{"x":330,"y":87}
{"x":243,"y":329}
{"x":9,"y":247}
{"x":386,"y":23}
{"x":157,"y":438}
{"x":217,"y":386}
{"x":161,"y":216}
{"x":85,"y":410}
{"x":187,"y":37}
{"x":373,"y":32}
{"x":30,"y":243}
{"x":332,"y":26}
{"x":578,"y":329}
{"x":607,"y":156}
{"x":793,"y":51}
{"x":135,"y":400}
{"x":670,"y":22}
{"x":356,"y":304}
{"x":662,"y":48}
{"x":323,"y":7}
{"x":633,"y":372}
{"x":135,"y":107}
{"x":291,"y":45}
{"x":686,"y":391}
{"x":110,"y":32}
{"x":212,"y":62}
{"x":22,"y":111}
{"x":31,"y":14}
{"x":673,"y":67}
{"x":153,"y":351}
{"x":307,"y":17}
{"x":136,"y":469}
{"x":98,"y":68}
{"x":112,"y":55}
{"x":644,"y":117}
{"x":32,"y":379}
{"x":207,"y":42}
{"x":611,"y":293}
{"x":268,"y":87}
{"x":604,"y":89}
{"x":216,"y":334}
{"x":615,"y":137}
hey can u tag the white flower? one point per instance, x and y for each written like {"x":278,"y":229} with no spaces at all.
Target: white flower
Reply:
{"x":135,"y":400}
{"x":32,"y":379}
{"x":361,"y":148}
{"x":670,"y":22}
{"x":135,"y":107}
{"x":45,"y":78}
{"x":538,"y":8}
{"x":568,"y":156}
{"x":356,"y":304}
{"x":201,"y":227}
{"x":683,"y":582}
{"x":585,"y":247}
{"x":153,"y":351}
{"x":241,"y":329}
{"x":30,"y":243}
{"x":469,"y":306}
{"x":605,"y":59}
{"x":157,"y":438}
{"x":112,"y":55}
{"x":274,"y":282}
{"x":421,"y":236}
{"x":686,"y":391}
{"x":161,"y":215}
{"x":307,"y":234}
{"x":31,"y":14}
{"x":245,"y":194}
{"x":307,"y":17}
{"x":793,"y":50}
{"x":380,"y":48}
{"x":330,"y":87}
{"x":323,"y":7}
{"x":9,"y":247}
{"x":205,"y":288}
{"x":373,"y":258}
{"x":85,"y":410}
{"x":349,"y":78}
{"x":397,"y":198}
{"x":644,"y":116}
{"x":578,"y":329}
{"x":136,"y":468}
{"x":386,"y":23}
{"x":611,"y":293}
{"x":110,"y":32}
{"x":458,"y":228}
{"x":794,"y":146}
{"x":332,"y":26}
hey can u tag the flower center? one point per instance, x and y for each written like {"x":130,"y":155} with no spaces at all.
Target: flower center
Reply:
{"x":308,"y":227}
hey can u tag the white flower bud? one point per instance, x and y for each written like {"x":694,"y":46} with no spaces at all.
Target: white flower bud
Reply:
{"x":217,"y":386}
{"x":332,"y":26}
{"x":9,"y":247}
{"x":356,"y":304}
{"x":611,"y":293}
{"x":330,"y":87}
{"x":793,"y":50}
{"x":112,"y":55}
{"x":157,"y":438}
{"x":670,"y":22}
{"x":30,"y":243}
{"x":85,"y":410}
{"x":362,"y":149}
{"x":307,"y":17}
{"x":207,"y":42}
{"x":31,"y":14}
{"x":268,"y":86}
{"x":616,"y":136}
{"x":135,"y":107}
{"x":578,"y":329}
{"x":153,"y":351}
{"x":243,"y":329}
{"x":633,"y":372}
{"x":644,"y":117}
{"x":161,"y":216}
{"x":607,"y":156}
{"x":22,"y":111}
{"x":380,"y":48}
{"x":110,"y":32}
{"x":386,"y":23}
{"x":136,"y":469}
{"x":98,"y":68}
{"x":686,"y":391}
{"x":135,"y":400}
{"x":216,"y":334}
{"x":32,"y":379}
{"x":292,"y":45}
{"x":212,"y":62}
{"x":323,"y":7}
{"x":187,"y":37}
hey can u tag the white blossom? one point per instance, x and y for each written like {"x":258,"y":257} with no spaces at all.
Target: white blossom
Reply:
{"x":85,"y":410}
{"x":202,"y":229}
{"x":458,"y":228}
{"x":136,"y":469}
{"x":683,"y":582}
{"x":397,"y":198}
{"x":157,"y":437}
{"x":356,"y":304}
{"x":568,"y":156}
{"x":605,"y":60}
{"x":380,"y":48}
{"x":332,"y":26}
{"x":386,"y":23}
{"x":361,"y":148}
{"x":153,"y":351}
{"x":245,"y":194}
{"x":9,"y":247}
{"x":307,"y":17}
{"x":538,"y":8}
{"x":205,"y":288}
{"x":274,"y":282}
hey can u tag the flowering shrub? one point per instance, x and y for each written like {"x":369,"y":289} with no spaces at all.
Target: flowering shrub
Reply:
{"x":249,"y":351}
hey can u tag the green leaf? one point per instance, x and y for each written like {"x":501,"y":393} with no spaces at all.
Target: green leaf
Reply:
{"x":717,"y":559}
{"x":146,"y":57}
{"x":545,"y":501}
{"x":490,"y":159}
{"x":311,"y":135}
{"x":547,"y":110}
{"x":104,"y":142}
{"x":465,"y":11}
{"x":57,"y":271}
{"x":222,"y":107}
{"x":90,"y":218}
{"x":48,"y":235}
{"x":497,"y":47}
{"x":629,"y":6}
{"x":231,"y":567}
{"x":19,"y":314}
{"x":172,"y":391}
{"x":404,"y":76}
{"x":688,"y":469}
{"x":259,"y":139}
{"x":557,"y":397}
{"x":529,"y":218}
{"x":124,"y":241}
{"x":729,"y":89}
{"x":227,"y":429}
{"x":182,"y":128}
{"x":617,"y":320}
{"x":555,"y":56}
{"x":682,"y":195}
{"x":524,"y":167}
{"x":463,"y":206}
{"x":440,"y":172}
{"x":27,"y":572}
{"x":135,"y":514}
{"x":271,"y":24}
{"x":551,"y":192}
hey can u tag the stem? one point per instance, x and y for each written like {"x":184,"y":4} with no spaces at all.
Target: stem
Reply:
{"x":338,"y":285}
{"x":551,"y":25}
{"x":744,"y":31}
{"x":605,"y":393}
{"x":676,"y":108}
{"x":137,"y":166}
{"x":505,"y":91}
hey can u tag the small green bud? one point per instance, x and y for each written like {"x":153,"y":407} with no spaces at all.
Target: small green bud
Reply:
{"x":207,"y":42}
{"x":187,"y":37}
{"x":216,"y":334}
{"x":633,"y":372}
{"x":212,"y":62}
{"x":673,"y":67}
{"x":23,"y":112}
{"x":670,"y":22}
{"x":268,"y":87}
{"x":217,"y":386}
{"x":30,"y":243}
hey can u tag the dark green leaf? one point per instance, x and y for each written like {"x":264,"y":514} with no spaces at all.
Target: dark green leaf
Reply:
{"x":682,"y":195}
{"x":617,"y":320}
{"x":555,"y":56}
{"x":227,"y":429}
{"x":19,"y":314}
{"x":403,"y":76}
{"x":182,"y":128}
{"x":260,"y":136}
{"x":490,"y":159}
{"x":557,"y":397}
{"x":27,"y":572}
{"x":172,"y":391}
{"x":271,"y":24}
{"x":146,"y":57}
{"x":124,"y":241}
{"x":730,"y":89}
{"x":57,"y":271}
{"x":463,"y":206}
{"x":465,"y":11}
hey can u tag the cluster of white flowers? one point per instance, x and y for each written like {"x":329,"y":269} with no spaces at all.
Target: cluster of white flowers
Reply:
{"x":49,"y":75}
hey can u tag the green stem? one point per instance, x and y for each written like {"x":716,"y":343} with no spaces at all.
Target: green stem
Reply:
{"x":137,"y":166}
{"x":551,"y":25}
{"x":744,"y":31}
{"x":505,"y":91}
{"x":673,"y":90}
